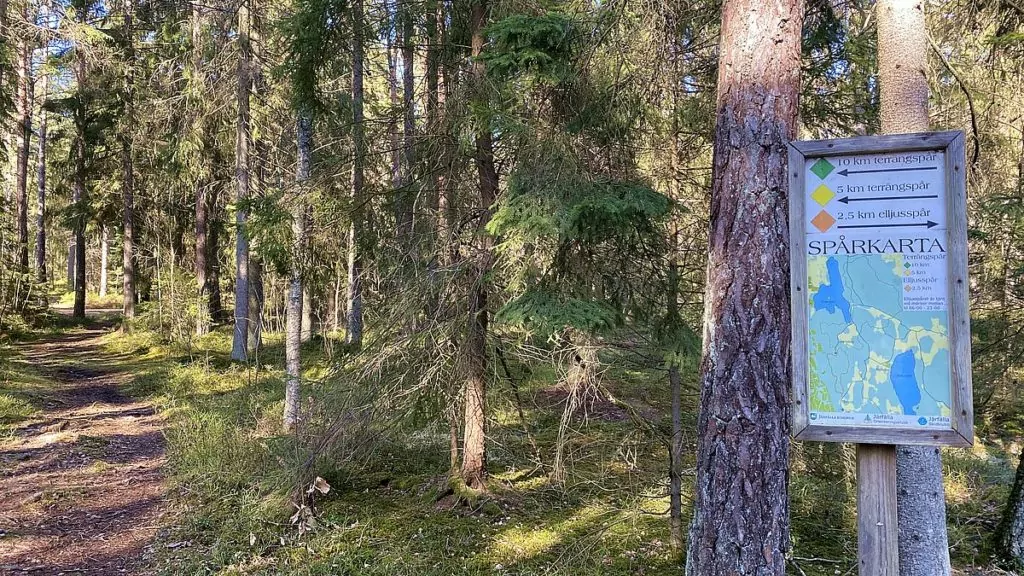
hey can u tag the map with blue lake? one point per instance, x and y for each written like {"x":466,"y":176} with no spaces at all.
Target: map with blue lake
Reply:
{"x":878,"y":335}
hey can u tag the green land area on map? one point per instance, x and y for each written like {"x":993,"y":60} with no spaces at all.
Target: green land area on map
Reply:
{"x":867,"y":355}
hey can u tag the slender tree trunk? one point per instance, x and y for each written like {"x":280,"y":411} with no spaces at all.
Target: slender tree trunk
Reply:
{"x":79,"y":191}
{"x":240,"y":342}
{"x":215,"y":306}
{"x":256,"y":291}
{"x":921,"y":500}
{"x":741,"y":505}
{"x":128,"y":171}
{"x":293,"y":331}
{"x":1010,"y":535}
{"x":24,"y":135}
{"x":474,"y":454}
{"x":409,"y":125}
{"x":104,"y":260}
{"x":202,"y":250}
{"x":354,"y":333}
{"x":41,"y":192}
{"x":71,"y":261}
{"x":307,"y":313}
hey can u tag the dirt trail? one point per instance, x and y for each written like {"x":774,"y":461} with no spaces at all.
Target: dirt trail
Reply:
{"x":81,"y":485}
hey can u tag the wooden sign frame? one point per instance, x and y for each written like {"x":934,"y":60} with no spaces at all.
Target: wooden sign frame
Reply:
{"x":961,"y":432}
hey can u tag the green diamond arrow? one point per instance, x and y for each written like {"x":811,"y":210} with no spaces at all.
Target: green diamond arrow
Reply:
{"x":822,"y":168}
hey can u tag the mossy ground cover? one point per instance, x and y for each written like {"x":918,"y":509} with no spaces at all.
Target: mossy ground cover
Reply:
{"x":233,"y":478}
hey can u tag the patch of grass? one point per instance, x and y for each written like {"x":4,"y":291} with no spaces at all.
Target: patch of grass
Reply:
{"x":236,"y":474}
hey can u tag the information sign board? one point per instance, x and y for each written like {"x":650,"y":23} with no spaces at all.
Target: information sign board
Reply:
{"x":881,"y":329}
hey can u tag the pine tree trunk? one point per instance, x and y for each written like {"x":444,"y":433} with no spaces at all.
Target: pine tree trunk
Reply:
{"x":474,"y":449}
{"x":741,"y":509}
{"x":354,"y":329}
{"x":24,"y":135}
{"x":41,"y":192}
{"x":240,"y":341}
{"x":293,"y":331}
{"x":104,"y":260}
{"x":921,"y":502}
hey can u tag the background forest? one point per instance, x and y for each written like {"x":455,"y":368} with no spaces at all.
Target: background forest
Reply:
{"x":419,"y":284}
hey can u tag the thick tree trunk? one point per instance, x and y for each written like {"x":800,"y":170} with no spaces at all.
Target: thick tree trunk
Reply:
{"x":741,"y":509}
{"x":104,"y":259}
{"x":23,"y":132}
{"x":921,"y":501}
{"x":293,"y":331}
{"x":240,"y":342}
{"x":354,"y":329}
{"x":41,"y":192}
{"x":474,"y":449}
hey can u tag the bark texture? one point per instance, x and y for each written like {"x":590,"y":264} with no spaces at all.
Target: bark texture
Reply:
{"x":474,"y":448}
{"x":294,"y":313}
{"x":354,"y":326}
{"x":202,"y":266}
{"x":240,"y":340}
{"x":741,"y":509}
{"x":23,"y":143}
{"x":921,"y":499}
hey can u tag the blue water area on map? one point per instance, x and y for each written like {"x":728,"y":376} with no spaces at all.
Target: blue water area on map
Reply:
{"x":830,"y":296}
{"x":904,"y":383}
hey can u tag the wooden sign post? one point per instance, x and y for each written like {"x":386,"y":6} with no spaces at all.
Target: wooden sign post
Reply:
{"x":881,"y":327}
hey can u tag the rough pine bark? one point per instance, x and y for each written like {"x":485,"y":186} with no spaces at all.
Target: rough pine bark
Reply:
{"x":23,"y":133}
{"x":41,"y":192}
{"x":474,"y":446}
{"x":240,"y":340}
{"x":920,"y":495}
{"x":741,"y":509}
{"x":294,"y":312}
{"x":354,"y":325}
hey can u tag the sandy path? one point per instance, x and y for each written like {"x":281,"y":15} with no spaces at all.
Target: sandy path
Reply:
{"x":81,"y":485}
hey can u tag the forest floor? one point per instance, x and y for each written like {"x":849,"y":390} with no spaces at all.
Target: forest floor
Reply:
{"x":139,"y":453}
{"x":81,"y":476}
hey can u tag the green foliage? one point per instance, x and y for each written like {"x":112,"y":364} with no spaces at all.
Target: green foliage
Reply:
{"x":538,"y":47}
{"x":546,"y":313}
